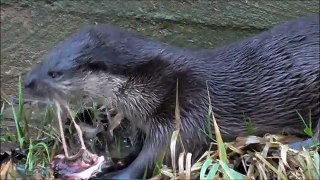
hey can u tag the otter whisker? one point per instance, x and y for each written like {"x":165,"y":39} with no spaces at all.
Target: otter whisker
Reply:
{"x":66,"y":83}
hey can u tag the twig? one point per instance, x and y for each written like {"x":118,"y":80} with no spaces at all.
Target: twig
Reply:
{"x":79,"y":132}
{"x":61,"y":129}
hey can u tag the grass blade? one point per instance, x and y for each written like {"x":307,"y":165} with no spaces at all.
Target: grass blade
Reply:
{"x":174,"y":138}
{"x":188,"y":166}
{"x":45,"y":146}
{"x":18,"y":128}
{"x":230,"y":172}
{"x":204,"y":168}
{"x":177,"y":109}
{"x":281,"y":175}
{"x":317,"y":162}
{"x":221,"y":148}
{"x":213,"y":171}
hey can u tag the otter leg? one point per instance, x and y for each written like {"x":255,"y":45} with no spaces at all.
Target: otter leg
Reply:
{"x":308,"y":143}
{"x":153,"y":146}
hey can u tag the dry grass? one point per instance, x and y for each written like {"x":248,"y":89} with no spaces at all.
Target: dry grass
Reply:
{"x":251,"y":157}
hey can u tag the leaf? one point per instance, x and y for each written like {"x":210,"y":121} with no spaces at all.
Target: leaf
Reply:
{"x":145,"y":174}
{"x":18,"y":128}
{"x":284,"y":151}
{"x":177,"y":108}
{"x":157,"y":169}
{"x":317,"y":162}
{"x":204,"y":168}
{"x":213,"y":171}
{"x":45,"y":147}
{"x":221,"y":147}
{"x":249,"y":125}
{"x":308,"y":131}
{"x":188,"y":166}
{"x":309,"y":164}
{"x":173,"y":142}
{"x":230,"y":172}
{"x":5,"y":169}
{"x":181,"y":164}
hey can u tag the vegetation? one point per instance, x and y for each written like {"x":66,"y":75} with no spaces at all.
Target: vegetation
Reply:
{"x":33,"y":141}
{"x":246,"y":158}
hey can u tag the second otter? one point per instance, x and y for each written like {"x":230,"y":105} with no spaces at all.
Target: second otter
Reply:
{"x":267,"y":78}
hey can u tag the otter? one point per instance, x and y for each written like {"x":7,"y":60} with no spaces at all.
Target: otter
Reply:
{"x":268,"y":77}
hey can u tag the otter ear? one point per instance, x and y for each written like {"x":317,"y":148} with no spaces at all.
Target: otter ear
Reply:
{"x":89,"y":37}
{"x":96,"y":32}
{"x":92,"y":37}
{"x":91,"y":33}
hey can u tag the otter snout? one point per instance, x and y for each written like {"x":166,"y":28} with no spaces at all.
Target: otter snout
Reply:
{"x":30,"y":79}
{"x":33,"y":83}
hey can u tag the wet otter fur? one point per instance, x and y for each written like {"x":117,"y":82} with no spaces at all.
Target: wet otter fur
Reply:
{"x":267,"y":78}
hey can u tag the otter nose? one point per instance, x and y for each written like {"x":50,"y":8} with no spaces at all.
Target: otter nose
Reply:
{"x":31,"y":78}
{"x":29,"y":81}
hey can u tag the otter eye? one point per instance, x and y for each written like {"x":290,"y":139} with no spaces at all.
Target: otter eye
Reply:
{"x":54,"y":74}
{"x":96,"y":66}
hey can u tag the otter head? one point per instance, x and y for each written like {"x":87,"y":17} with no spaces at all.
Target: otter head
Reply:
{"x":106,"y":63}
{"x":70,"y":68}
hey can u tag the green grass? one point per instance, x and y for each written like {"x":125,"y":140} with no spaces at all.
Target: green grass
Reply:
{"x":249,"y":125}
{"x":308,"y":128}
{"x":36,"y":152}
{"x":32,"y":138}
{"x":2,"y":138}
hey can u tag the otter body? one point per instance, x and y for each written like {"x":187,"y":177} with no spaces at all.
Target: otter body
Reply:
{"x":266,"y":78}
